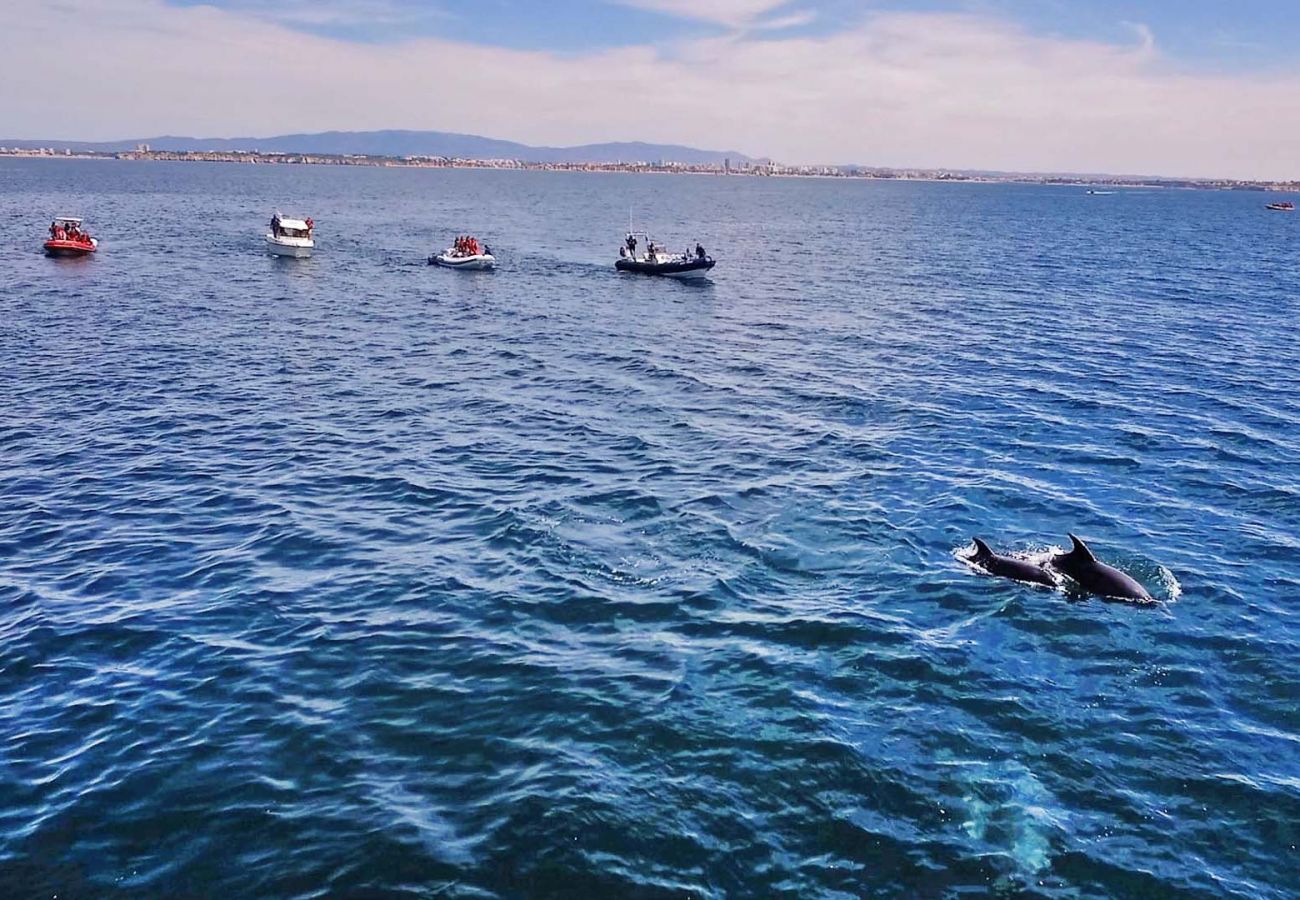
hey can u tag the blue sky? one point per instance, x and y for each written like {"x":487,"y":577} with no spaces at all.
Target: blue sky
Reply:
{"x":1201,"y":33}
{"x":1212,"y":34}
{"x":1172,"y":87}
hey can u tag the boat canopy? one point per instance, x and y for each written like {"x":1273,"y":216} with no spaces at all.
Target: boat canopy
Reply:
{"x":67,"y":220}
{"x":295,"y":224}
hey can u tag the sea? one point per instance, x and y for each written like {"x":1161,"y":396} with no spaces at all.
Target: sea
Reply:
{"x":354,"y":577}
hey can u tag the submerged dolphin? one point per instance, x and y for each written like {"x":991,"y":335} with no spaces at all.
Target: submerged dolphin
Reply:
{"x":1009,"y":566}
{"x":1095,"y":576}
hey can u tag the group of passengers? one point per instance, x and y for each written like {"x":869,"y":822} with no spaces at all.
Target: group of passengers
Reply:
{"x":70,"y":231}
{"x":628,"y":250}
{"x":468,"y":246}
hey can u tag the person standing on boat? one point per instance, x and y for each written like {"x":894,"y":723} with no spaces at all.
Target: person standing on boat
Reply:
{"x":699,"y":251}
{"x":631,"y":245}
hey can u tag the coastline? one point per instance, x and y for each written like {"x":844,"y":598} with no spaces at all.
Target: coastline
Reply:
{"x":761,"y":170}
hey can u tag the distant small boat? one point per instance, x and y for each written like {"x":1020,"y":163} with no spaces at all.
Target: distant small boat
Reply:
{"x":291,"y":237}
{"x":682,"y":266}
{"x":68,"y":240}
{"x":1282,"y":206}
{"x":1101,"y":193}
{"x":467,"y":253}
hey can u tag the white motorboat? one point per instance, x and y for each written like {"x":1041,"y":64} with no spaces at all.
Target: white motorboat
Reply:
{"x":466,"y":253}
{"x":291,"y":237}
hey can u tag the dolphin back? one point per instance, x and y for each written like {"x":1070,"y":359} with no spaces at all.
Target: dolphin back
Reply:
{"x":1010,"y":567}
{"x":1093,"y":575}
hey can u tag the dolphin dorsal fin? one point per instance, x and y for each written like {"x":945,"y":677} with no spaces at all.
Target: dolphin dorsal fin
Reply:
{"x":1081,"y":548}
{"x":981,"y":548}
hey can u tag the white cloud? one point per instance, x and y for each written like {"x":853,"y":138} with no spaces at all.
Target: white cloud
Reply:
{"x":790,"y":20}
{"x":735,"y":13}
{"x":1146,"y":37}
{"x":343,"y":13}
{"x":911,"y":89}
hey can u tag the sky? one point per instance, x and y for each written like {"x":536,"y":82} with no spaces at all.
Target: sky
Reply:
{"x":1170,"y":87}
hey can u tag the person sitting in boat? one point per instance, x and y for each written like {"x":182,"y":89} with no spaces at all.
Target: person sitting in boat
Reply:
{"x":59,"y":233}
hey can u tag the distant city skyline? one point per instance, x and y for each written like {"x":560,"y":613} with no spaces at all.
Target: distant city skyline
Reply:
{"x":1184,"y":88}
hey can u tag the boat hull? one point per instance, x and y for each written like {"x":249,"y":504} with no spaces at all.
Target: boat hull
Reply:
{"x":70,"y":249}
{"x":681,"y":270}
{"x":480,"y":263}
{"x":295,"y":248}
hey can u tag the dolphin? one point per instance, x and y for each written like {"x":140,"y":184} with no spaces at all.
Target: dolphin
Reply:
{"x":1096,"y":577}
{"x":1009,"y":566}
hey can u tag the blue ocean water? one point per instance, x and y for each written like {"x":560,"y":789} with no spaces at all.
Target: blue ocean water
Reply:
{"x":353,"y":577}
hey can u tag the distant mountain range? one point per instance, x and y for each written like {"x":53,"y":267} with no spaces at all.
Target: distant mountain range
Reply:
{"x":406,"y":143}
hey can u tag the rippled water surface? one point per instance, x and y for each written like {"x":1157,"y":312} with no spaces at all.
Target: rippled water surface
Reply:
{"x":352,"y":577}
